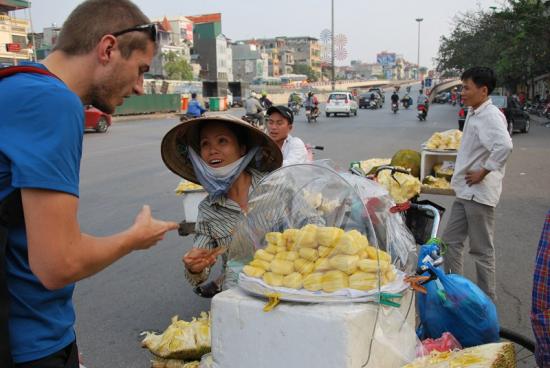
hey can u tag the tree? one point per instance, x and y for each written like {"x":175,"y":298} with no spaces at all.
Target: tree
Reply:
{"x":177,"y":67}
{"x":312,"y":76}
{"x":514,"y":41}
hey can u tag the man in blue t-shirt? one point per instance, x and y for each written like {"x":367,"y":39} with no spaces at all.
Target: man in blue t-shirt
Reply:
{"x":195,"y":109}
{"x":102,"y":52}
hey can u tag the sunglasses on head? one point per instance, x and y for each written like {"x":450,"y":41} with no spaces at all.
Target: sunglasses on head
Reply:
{"x":150,"y":28}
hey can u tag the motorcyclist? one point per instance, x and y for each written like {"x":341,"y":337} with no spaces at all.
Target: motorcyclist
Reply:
{"x":406,"y":100}
{"x":312,"y":103}
{"x":195,"y":109}
{"x":395,"y":99}
{"x":294,"y":98}
{"x":265,"y":102}
{"x":422,"y":100}
{"x":254,"y":108}
{"x":408,"y":89}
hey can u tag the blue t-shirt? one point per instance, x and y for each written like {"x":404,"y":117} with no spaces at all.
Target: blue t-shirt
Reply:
{"x":195,"y":108}
{"x":41,"y":132}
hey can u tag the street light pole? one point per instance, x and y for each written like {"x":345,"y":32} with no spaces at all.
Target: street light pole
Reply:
{"x":332,"y":51}
{"x":418,"y":54}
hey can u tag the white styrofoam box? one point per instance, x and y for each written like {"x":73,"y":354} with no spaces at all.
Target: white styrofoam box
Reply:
{"x":309,"y":335}
{"x":430,"y":158}
{"x":191,"y":200}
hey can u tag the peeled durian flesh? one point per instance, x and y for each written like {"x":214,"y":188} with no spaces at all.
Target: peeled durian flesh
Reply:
{"x":334,"y":280}
{"x":282,"y":267}
{"x":313,"y":281}
{"x":293,"y":281}
{"x":344,"y":263}
{"x":273,"y":279}
{"x":253,"y":271}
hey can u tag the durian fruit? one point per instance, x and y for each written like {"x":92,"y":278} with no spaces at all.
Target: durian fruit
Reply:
{"x":287,"y":255}
{"x":334,"y":280}
{"x":258,"y":263}
{"x":282,"y":267}
{"x":276,"y":239}
{"x":390,"y":275}
{"x":327,"y":236}
{"x":359,"y":238}
{"x":344,"y":263}
{"x":313,"y":281}
{"x":273,"y":279}
{"x":363,"y":281}
{"x":496,"y":355}
{"x":293,"y":280}
{"x":303,"y":266}
{"x":274,"y":249}
{"x":322,"y":264}
{"x":309,"y":254}
{"x":263,"y":255}
{"x":253,"y":271}
{"x":371,"y":265}
{"x":347,"y":245}
{"x":181,"y":340}
{"x":374,"y":254}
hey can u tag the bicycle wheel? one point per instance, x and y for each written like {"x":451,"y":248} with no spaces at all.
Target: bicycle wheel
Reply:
{"x":524,"y":347}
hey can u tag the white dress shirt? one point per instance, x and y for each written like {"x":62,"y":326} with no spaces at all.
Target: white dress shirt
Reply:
{"x":294,"y":151}
{"x":486,"y":144}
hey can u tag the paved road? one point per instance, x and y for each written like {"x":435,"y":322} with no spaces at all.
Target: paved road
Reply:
{"x":122,"y":170}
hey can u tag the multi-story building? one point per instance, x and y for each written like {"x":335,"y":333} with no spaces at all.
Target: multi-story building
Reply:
{"x":211,"y":48}
{"x":14,"y":46}
{"x":248,"y":62}
{"x":307,"y":51}
{"x":176,"y":37}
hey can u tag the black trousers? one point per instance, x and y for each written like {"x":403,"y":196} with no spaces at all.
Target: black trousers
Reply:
{"x":64,"y":358}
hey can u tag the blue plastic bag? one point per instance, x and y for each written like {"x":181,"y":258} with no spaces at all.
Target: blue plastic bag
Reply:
{"x":455,"y":304}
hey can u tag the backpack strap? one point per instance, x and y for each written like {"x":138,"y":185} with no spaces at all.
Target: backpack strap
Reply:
{"x":11,"y":214}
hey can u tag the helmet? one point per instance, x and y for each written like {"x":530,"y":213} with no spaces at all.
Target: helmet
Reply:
{"x":310,"y":94}
{"x":264,"y":94}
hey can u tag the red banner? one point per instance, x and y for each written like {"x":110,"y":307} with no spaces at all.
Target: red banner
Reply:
{"x":13,"y":47}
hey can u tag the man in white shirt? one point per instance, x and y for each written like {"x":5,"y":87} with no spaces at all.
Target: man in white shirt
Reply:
{"x":280,"y":125}
{"x":477,"y":180}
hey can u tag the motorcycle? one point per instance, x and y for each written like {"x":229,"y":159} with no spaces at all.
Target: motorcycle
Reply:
{"x":405,"y":102}
{"x":312,"y":114}
{"x":422,"y":112}
{"x":295,"y":107}
{"x":394,"y":107}
{"x":256,"y":120}
{"x":372,"y":105}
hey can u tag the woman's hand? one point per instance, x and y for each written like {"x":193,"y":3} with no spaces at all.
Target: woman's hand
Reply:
{"x":197,"y":259}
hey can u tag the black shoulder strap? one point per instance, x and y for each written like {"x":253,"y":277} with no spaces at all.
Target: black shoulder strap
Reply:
{"x":11,"y":214}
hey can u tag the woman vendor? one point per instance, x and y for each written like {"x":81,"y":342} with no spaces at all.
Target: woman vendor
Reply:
{"x":228,"y":157}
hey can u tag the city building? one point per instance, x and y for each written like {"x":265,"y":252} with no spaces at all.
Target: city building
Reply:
{"x":175,"y":36}
{"x":307,"y":51}
{"x":211,"y":47}
{"x":249,"y":63}
{"x":14,"y":45}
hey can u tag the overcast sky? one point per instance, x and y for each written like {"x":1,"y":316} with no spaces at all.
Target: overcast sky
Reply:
{"x":370,"y":26}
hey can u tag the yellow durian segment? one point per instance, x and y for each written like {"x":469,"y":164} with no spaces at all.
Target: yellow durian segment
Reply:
{"x":327,"y":236}
{"x":371,"y":265}
{"x":273,"y":279}
{"x":274,"y":249}
{"x":253,"y":271}
{"x":276,"y":239}
{"x":309,"y":254}
{"x":325,"y":252}
{"x":263,"y":255}
{"x":258,"y":263}
{"x":322,"y":264}
{"x":290,"y":236}
{"x":287,"y":256}
{"x":334,"y":280}
{"x":306,"y":239}
{"x":344,"y":263}
{"x":363,"y":281}
{"x":313,"y":281}
{"x":293,"y":281}
{"x":282,"y":267}
{"x":347,"y":245}
{"x":303,"y":266}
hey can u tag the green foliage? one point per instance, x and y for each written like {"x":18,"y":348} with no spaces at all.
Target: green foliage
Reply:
{"x":514,"y":41}
{"x":312,"y":76}
{"x":177,"y":67}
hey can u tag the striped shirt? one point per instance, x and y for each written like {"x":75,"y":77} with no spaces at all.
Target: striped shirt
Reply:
{"x":540,"y":309}
{"x":216,"y":221}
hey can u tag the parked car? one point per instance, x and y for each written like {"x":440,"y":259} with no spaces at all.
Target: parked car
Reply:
{"x":365,"y":98}
{"x":442,"y":97}
{"x":341,"y":103}
{"x":516,"y":117}
{"x":380,"y":92}
{"x":96,"y":119}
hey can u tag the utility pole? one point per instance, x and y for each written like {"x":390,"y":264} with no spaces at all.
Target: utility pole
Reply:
{"x":32,"y":33}
{"x":418,"y":54}
{"x":332,"y":51}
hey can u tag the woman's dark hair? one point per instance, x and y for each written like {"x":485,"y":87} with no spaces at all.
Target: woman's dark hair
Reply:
{"x":193,"y":95}
{"x":482,"y":77}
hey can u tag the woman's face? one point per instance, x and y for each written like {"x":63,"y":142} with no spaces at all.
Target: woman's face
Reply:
{"x":219,"y":146}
